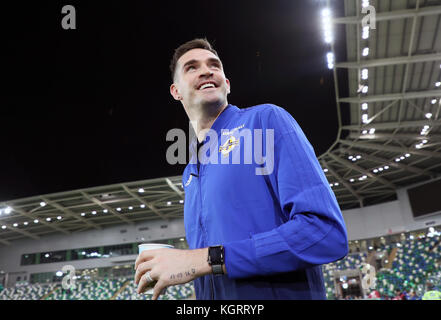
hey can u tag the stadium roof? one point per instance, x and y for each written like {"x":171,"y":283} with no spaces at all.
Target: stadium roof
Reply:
{"x":393,"y":138}
{"x":91,"y":208}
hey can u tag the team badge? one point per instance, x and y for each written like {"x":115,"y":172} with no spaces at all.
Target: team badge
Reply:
{"x":228,"y":146}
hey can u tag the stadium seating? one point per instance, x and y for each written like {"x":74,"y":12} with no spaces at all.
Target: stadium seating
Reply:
{"x":416,"y":261}
{"x":89,"y":290}
{"x":103,"y":289}
{"x":178,"y":292}
{"x":27,"y":292}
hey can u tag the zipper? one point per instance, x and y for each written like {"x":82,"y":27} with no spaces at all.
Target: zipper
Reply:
{"x":200,"y":220}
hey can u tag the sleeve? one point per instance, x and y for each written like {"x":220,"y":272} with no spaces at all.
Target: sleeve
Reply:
{"x":314,"y":232}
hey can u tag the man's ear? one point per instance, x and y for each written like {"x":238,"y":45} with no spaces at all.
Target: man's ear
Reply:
{"x":175,"y":92}
{"x":228,"y":85}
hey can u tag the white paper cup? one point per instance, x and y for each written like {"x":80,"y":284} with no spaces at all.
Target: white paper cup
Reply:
{"x":152,"y":246}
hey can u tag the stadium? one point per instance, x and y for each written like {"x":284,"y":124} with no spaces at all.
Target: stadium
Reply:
{"x":384,"y":169}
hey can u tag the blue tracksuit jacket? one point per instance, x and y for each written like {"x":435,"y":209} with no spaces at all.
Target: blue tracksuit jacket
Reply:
{"x":277,"y":228}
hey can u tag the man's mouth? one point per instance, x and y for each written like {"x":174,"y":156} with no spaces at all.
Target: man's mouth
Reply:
{"x":207,"y":85}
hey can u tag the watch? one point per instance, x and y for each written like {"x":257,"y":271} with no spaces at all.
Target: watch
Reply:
{"x":216,"y":259}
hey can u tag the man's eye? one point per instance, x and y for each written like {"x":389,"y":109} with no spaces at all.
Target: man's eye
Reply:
{"x":190,"y":67}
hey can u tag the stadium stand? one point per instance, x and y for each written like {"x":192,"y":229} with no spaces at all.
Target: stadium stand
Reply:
{"x":417,"y":260}
{"x":101,"y":289}
{"x":27,"y":292}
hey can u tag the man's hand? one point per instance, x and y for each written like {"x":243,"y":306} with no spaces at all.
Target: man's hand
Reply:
{"x":170,"y":267}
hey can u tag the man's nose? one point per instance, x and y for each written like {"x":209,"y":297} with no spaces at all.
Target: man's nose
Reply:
{"x":206,"y":71}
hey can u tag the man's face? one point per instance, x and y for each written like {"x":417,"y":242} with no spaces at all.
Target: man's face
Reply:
{"x":200,"y":79}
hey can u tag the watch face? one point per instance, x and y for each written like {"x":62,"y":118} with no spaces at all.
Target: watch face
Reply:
{"x":216,"y":255}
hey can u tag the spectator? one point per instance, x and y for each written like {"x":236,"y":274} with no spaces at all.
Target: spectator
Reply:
{"x":399,"y":295}
{"x":431,"y":293}
{"x":412,"y":295}
{"x":374,"y":295}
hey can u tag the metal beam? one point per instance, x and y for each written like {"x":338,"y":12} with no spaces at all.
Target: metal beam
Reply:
{"x":392,"y":96}
{"x":398,"y":136}
{"x":174,"y":188}
{"x":31,"y":217}
{"x":343,"y":182}
{"x":103,"y":205}
{"x":149,"y":205}
{"x":392,"y":15}
{"x":69,"y":213}
{"x":395,"y":164}
{"x":7,"y":243}
{"x":388,"y":148}
{"x":361,"y":170}
{"x":22,"y":232}
{"x":394,"y":125}
{"x":389,"y":61}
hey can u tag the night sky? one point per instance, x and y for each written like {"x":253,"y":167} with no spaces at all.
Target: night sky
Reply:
{"x":91,"y":106}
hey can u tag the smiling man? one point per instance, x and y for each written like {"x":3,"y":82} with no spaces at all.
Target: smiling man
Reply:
{"x":251,"y":236}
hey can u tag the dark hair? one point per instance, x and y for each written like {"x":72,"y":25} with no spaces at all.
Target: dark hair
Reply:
{"x":189,"y":45}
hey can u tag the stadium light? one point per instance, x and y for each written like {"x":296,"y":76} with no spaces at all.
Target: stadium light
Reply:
{"x":365,"y":52}
{"x":437,"y":84}
{"x":181,"y":201}
{"x":118,"y":209}
{"x":48,"y":219}
{"x":365,"y":33}
{"x":364,"y":118}
{"x":42,"y":204}
{"x":364,"y":74}
{"x":8,"y":210}
{"x":105,"y":210}
{"x":15,"y":224}
{"x":330,"y":59}
{"x":25,"y":223}
{"x":3,"y":227}
{"x":327,"y":25}
{"x":83,"y":214}
{"x":130,"y":208}
{"x":169,"y":203}
{"x":365,"y":89}
{"x":428,"y":115}
{"x":59,"y":217}
{"x":140,"y":190}
{"x":433,"y":101}
{"x":36,"y":221}
{"x":142,"y":206}
{"x":94,"y":212}
{"x":59,"y":274}
{"x":364,"y":106}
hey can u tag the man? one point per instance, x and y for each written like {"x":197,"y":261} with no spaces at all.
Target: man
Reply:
{"x":256,"y":229}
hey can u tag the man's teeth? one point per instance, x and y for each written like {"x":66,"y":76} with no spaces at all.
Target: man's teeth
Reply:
{"x":207,"y":85}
